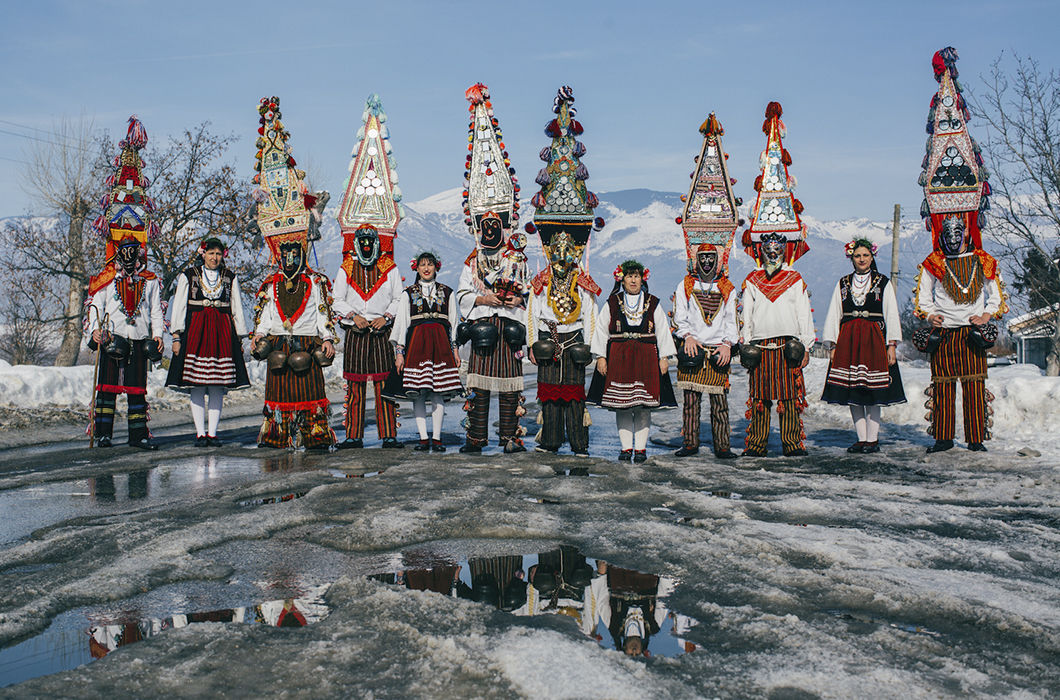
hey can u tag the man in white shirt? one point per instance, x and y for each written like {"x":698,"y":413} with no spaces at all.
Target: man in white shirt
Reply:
{"x":777,"y":327}
{"x":960,"y":293}
{"x":705,"y":320}
{"x":367,"y":290}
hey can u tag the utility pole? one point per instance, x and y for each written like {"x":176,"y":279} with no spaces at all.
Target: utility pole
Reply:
{"x":894,"y":242}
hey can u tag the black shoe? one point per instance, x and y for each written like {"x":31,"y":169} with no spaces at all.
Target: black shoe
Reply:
{"x":350,"y":444}
{"x":640,"y":456}
{"x":422,"y":446}
{"x":625,"y":456}
{"x":871,"y":447}
{"x":754,"y":452}
{"x":686,"y":451}
{"x":437,"y":446}
{"x":797,"y":452}
{"x":202,"y":441}
{"x":857,"y":448}
{"x":144,"y":444}
{"x":213,"y":441}
{"x":104,"y":441}
{"x":514,"y":446}
{"x":319,"y":448}
{"x":725,"y":454}
{"x":976,"y":447}
{"x":940,"y":446}
{"x":391,"y":444}
{"x":469,"y":449}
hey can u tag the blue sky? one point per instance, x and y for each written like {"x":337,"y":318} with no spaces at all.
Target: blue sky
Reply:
{"x":854,"y":79}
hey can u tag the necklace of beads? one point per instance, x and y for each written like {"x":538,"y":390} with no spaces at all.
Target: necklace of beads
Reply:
{"x":211,"y":291}
{"x":136,"y":286}
{"x":633,"y":313}
{"x":971,"y":277}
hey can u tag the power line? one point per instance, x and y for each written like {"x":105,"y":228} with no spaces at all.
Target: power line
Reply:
{"x":14,"y":160}
{"x":53,"y":143}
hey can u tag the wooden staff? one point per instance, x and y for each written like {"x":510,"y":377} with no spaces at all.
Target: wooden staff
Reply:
{"x":95,"y":378}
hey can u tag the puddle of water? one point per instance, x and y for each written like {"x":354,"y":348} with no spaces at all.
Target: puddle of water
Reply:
{"x":272,"y":499}
{"x":32,"y":507}
{"x":81,"y":636}
{"x":869,"y":622}
{"x":619,"y":608}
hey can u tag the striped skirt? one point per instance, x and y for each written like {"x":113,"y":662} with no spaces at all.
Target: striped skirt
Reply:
{"x":956,"y":358}
{"x":858,"y":373}
{"x":429,"y":362}
{"x":210,"y":354}
{"x":367,"y":355}
{"x":773,"y":379}
{"x":633,"y":378}
{"x":286,"y":391}
{"x":498,"y":370}
{"x":706,"y":381}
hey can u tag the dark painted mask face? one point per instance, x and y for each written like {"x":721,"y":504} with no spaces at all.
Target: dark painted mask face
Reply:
{"x":491,"y":233}
{"x":292,"y":258}
{"x":707,"y":265}
{"x":129,"y":258}
{"x":367,"y":247}
{"x":772,"y":253}
{"x":952,"y":238}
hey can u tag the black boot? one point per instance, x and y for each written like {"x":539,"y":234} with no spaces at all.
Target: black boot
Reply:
{"x":687,"y":451}
{"x":871,"y":447}
{"x":857,"y":448}
{"x":725,"y":454}
{"x":940,"y":446}
{"x":976,"y":447}
{"x":391,"y":444}
{"x":144,"y":444}
{"x":423,"y":446}
{"x":640,"y":456}
{"x":104,"y":441}
{"x":437,"y":446}
{"x":625,"y":456}
{"x":469,"y":449}
{"x":350,"y":444}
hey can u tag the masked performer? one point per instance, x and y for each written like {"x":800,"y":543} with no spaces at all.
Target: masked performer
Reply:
{"x":561,"y":311}
{"x":368,"y":287}
{"x":293,"y":329}
{"x":705,"y":317}
{"x":863,"y":331}
{"x":704,"y":302}
{"x":208,"y":327}
{"x":423,"y":336}
{"x":633,"y":347}
{"x":125,"y":298}
{"x":777,"y":323}
{"x":367,"y":293}
{"x":958,"y":286}
{"x":491,"y":301}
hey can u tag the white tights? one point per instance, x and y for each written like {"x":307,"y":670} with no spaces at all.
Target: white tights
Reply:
{"x":419,"y":407}
{"x":199,"y":410}
{"x":633,"y":427}
{"x":866,"y":422}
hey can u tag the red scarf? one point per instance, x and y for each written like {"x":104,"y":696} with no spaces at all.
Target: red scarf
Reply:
{"x":382,"y":266}
{"x":278,"y":279}
{"x":773,"y":286}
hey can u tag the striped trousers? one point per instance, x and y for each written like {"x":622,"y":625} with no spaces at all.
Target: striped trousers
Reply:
{"x":791,"y":433}
{"x":956,"y":361}
{"x":479,"y":412}
{"x":104,"y":415}
{"x":719,"y":420}
{"x":385,"y":411}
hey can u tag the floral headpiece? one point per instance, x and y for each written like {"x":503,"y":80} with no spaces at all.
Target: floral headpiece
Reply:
{"x":212,"y":242}
{"x":429,"y":255}
{"x":849,"y":248}
{"x":631,"y":266}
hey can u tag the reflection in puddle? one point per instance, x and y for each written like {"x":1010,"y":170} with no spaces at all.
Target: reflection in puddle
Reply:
{"x":868,"y":623}
{"x":77,"y":638}
{"x":620,"y":608}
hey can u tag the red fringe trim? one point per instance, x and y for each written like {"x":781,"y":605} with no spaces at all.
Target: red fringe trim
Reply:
{"x":560,"y":392}
{"x":297,"y":406}
{"x":364,"y":377}
{"x":118,"y":389}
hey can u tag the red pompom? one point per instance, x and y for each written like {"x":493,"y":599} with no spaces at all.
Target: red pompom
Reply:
{"x":797,"y":205}
{"x":679,"y":220}
{"x":758,"y":184}
{"x":785,"y":157}
{"x":774,"y":110}
{"x":530,"y":228}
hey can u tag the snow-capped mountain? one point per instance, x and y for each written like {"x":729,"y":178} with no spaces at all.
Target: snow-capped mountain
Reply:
{"x":640,"y":224}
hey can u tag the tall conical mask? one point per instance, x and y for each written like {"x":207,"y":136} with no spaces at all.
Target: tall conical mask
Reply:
{"x":776,"y":211}
{"x":710,"y":215}
{"x":283,"y":200}
{"x":126,"y":208}
{"x":953,"y":176}
{"x":489,"y":178}
{"x":371,"y":193}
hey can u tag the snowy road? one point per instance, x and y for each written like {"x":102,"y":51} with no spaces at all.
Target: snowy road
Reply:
{"x":891,"y":575}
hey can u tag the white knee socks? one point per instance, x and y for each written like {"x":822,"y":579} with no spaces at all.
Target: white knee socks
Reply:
{"x":866,"y":422}
{"x":213,"y":411}
{"x":641,"y":427}
{"x":857,"y":413}
{"x":419,"y":408}
{"x":206,"y":420}
{"x":198,"y":409}
{"x":624,"y":421}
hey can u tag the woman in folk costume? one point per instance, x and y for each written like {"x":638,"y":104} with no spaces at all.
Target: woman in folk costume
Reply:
{"x":705,"y":317}
{"x":492,"y":303}
{"x":776,"y":322}
{"x":958,"y":286}
{"x":293,"y":326}
{"x":633,"y":347}
{"x":704,"y":302}
{"x":863,"y":330}
{"x":125,"y":298}
{"x":368,"y":285}
{"x":561,"y":308}
{"x":424,"y":336}
{"x":208,"y":327}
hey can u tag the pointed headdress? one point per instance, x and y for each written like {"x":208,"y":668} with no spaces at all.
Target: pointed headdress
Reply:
{"x":491,"y":188}
{"x":372,"y":195}
{"x":710,"y":215}
{"x":126,"y":208}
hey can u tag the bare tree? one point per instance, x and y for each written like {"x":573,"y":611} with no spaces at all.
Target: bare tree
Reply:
{"x":63,"y":176}
{"x":1020,"y":103}
{"x":28,"y":315}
